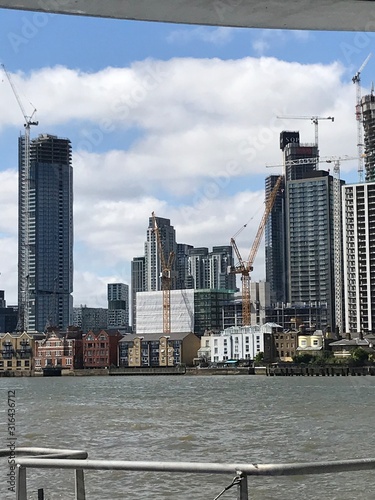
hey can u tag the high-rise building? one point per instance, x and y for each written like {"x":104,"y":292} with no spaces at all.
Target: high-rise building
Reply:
{"x":198,"y":268}
{"x":118,"y":305}
{"x":152,"y":259}
{"x":45,"y":281}
{"x":358,"y":216}
{"x":310,"y":242}
{"x":220,"y":261}
{"x":137,"y":285}
{"x":294,"y":169}
{"x":275,"y":243}
{"x":211,"y":269}
{"x":299,"y":234}
{"x":368,"y":116}
{"x":276,"y":229}
{"x":182,"y":266}
{"x":90,"y":318}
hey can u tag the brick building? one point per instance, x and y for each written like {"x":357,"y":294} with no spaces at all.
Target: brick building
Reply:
{"x":100,"y":349}
{"x":59,"y":350}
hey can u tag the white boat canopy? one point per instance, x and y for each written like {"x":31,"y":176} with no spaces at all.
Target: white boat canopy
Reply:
{"x":333,"y":15}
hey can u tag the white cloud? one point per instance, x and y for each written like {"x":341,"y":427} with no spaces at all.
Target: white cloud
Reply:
{"x":186,"y":138}
{"x":215,"y":36}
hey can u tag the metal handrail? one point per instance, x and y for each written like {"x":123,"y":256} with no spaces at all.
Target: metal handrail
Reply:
{"x":287,"y":469}
{"x":46,"y":452}
{"x":52,"y":459}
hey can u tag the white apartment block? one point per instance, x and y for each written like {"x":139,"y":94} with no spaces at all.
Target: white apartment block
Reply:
{"x":236,"y":342}
{"x":358,"y":213}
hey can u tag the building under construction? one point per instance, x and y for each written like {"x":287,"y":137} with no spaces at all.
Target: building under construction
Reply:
{"x":368,"y":117}
{"x":45,"y":280}
{"x":300,"y":232}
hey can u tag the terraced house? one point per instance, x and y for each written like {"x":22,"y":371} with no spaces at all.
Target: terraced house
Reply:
{"x":59,"y":350}
{"x":100,"y":348}
{"x":16,"y":354}
{"x":154,"y":350}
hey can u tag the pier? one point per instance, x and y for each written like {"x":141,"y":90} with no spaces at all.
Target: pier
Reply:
{"x":318,"y":371}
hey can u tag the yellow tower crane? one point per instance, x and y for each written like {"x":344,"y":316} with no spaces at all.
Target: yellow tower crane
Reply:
{"x":246,"y":267}
{"x":165,"y":276}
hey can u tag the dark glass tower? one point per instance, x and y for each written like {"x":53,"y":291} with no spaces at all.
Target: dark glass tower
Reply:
{"x":46,"y":231}
{"x":275,"y":243}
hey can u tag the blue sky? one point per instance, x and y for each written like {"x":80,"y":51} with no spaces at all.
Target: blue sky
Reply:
{"x":172,"y":118}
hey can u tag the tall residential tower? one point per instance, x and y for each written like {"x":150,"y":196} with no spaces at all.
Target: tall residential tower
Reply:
{"x":45,"y":281}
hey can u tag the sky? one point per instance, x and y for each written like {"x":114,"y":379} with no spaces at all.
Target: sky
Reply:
{"x":176,"y":119}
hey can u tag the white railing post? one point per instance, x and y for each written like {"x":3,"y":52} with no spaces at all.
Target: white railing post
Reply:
{"x":21,"y":493}
{"x":80,"y":485}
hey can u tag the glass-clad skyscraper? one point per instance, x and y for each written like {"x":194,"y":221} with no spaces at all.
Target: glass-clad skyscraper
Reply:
{"x":45,"y":281}
{"x":310,"y":243}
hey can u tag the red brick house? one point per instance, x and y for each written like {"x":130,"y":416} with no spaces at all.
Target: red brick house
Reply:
{"x":100,"y":348}
{"x":59,"y":349}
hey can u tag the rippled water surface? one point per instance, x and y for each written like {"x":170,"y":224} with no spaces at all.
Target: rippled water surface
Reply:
{"x":246,"y":419}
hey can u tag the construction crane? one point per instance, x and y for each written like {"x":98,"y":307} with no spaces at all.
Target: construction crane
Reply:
{"x":322,"y":159}
{"x":246,"y":267}
{"x":358,"y":114}
{"x":24,"y":243}
{"x":165,"y":276}
{"x":314,"y":119}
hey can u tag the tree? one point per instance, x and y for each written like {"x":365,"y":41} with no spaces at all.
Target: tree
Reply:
{"x":303,"y":358}
{"x":359,"y":356}
{"x":259,"y":357}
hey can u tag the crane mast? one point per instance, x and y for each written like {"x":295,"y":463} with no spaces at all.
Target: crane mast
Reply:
{"x":358,"y":114}
{"x":246,"y":267}
{"x":166,"y":278}
{"x":24,"y":232}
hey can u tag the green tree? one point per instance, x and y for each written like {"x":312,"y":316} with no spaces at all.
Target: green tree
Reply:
{"x":259,"y":357}
{"x":358,"y":356}
{"x":303,"y":358}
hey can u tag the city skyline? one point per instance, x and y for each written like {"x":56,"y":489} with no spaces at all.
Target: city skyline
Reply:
{"x":183,"y":127}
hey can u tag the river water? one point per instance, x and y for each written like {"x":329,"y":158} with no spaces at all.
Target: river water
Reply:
{"x":246,"y":419}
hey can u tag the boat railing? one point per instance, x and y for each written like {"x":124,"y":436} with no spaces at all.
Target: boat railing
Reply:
{"x":46,"y":458}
